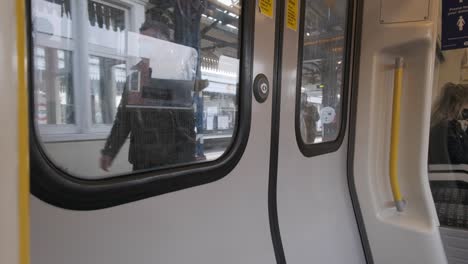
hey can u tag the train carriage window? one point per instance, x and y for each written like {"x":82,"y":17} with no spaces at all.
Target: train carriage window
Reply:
{"x":448,"y":134}
{"x":448,"y":138}
{"x":125,"y":85}
{"x":321,"y":94}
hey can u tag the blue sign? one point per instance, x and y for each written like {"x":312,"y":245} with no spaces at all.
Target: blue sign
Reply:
{"x":454,"y":24}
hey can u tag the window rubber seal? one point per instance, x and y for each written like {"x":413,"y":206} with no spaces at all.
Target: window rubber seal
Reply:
{"x":312,"y":150}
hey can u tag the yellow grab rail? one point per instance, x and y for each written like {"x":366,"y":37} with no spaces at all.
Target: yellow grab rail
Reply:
{"x":395,"y":137}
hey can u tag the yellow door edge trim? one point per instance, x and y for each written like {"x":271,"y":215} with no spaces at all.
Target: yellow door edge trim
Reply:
{"x":23,"y":134}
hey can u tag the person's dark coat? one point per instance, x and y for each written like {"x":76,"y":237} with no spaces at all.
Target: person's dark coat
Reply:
{"x":158,"y":137}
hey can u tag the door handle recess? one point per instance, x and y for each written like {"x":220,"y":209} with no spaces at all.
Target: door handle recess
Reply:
{"x":395,"y":136}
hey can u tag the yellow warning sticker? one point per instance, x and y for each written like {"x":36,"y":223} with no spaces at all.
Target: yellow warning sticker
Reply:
{"x":292,"y":14}
{"x":266,"y":7}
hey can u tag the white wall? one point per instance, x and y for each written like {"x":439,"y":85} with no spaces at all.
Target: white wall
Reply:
{"x":411,"y":236}
{"x":9,"y":214}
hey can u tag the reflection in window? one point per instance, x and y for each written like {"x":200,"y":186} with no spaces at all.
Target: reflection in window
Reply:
{"x":322,"y":61}
{"x":150,"y":84}
{"x":448,"y":146}
{"x":449,"y":123}
{"x":448,"y":139}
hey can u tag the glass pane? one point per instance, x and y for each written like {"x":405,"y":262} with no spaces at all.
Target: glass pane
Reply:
{"x":322,"y":71}
{"x":448,"y":137}
{"x":154,"y":84}
{"x":448,"y":141}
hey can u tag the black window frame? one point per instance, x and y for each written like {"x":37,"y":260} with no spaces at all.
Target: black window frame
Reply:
{"x":52,"y":185}
{"x":316,"y":149}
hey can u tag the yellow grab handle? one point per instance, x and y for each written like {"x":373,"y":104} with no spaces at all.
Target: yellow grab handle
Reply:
{"x":395,"y":137}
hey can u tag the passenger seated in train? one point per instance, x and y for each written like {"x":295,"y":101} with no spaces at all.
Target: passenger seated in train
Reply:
{"x":160,"y":134}
{"x":448,"y":143}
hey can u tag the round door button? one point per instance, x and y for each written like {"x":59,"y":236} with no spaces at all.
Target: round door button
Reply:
{"x":261,"y":88}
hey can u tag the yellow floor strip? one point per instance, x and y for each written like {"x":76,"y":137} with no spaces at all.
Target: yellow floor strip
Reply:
{"x":23,"y":137}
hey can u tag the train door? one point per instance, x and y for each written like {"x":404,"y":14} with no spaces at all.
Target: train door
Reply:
{"x":315,"y":212}
{"x":181,"y":174}
{"x":257,"y":168}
